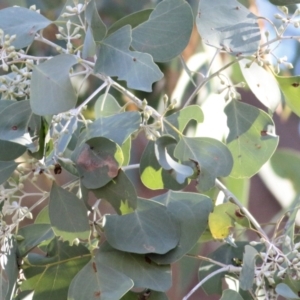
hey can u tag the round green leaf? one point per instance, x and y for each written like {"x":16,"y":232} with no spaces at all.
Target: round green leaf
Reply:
{"x":10,"y":150}
{"x":149,"y":229}
{"x":191,"y":210}
{"x":68,"y":215}
{"x":284,"y":290}
{"x":106,"y":105}
{"x":115,"y":59}
{"x":262,"y":83}
{"x":167,"y":32}
{"x":22,"y":22}
{"x":96,"y":280}
{"x":251,"y":139}
{"x":229,"y":26}
{"x":213,"y":157}
{"x":144,"y":272}
{"x":290,"y":87}
{"x":98,"y":161}
{"x":53,"y":76}
{"x":119,"y":192}
{"x":153,"y":175}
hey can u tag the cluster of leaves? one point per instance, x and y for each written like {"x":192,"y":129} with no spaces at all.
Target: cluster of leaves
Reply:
{"x":43,"y":131}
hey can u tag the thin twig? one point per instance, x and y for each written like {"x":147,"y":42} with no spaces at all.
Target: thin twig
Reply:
{"x":231,"y":197}
{"x":229,"y":268}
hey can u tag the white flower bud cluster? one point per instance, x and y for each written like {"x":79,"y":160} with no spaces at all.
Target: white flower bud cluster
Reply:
{"x":277,"y":265}
{"x":7,"y":51}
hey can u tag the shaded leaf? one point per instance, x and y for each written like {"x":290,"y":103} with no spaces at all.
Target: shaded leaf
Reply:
{"x":118,"y":192}
{"x":23,"y":22}
{"x":10,"y":151}
{"x":144,"y":272}
{"x":167,"y":32}
{"x":213,"y":157}
{"x":191,"y":210}
{"x":248,"y":269}
{"x":231,"y":295}
{"x":249,"y":139}
{"x":229,"y":26}
{"x":181,"y":118}
{"x":98,"y":281}
{"x":33,"y":235}
{"x":117,"y":127}
{"x":290,"y":87}
{"x":179,"y":171}
{"x":106,"y":105}
{"x":133,"y":20}
{"x":53,"y":76}
{"x":262,"y":83}
{"x":151,"y":295}
{"x":115,"y":59}
{"x":227,"y":255}
{"x":149,"y":229}
{"x":284,"y":290}
{"x":50,"y":276}
{"x":153,"y":175}
{"x":284,"y":2}
{"x":98,"y":161}
{"x":6,"y":169}
{"x":68,"y":215}
{"x":14,"y":120}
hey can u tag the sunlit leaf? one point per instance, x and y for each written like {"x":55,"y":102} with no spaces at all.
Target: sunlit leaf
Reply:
{"x":119,"y":192}
{"x":179,"y":171}
{"x":262,"y":84}
{"x":213,"y":157}
{"x":167,"y":32}
{"x":98,"y":161}
{"x":106,"y":105}
{"x":144,"y":272}
{"x":251,"y":138}
{"x":228,"y":25}
{"x":180,"y":119}
{"x":22,"y":22}
{"x":153,"y":175}
{"x":149,"y":229}
{"x":98,"y":281}
{"x":53,"y":76}
{"x":68,"y":215}
{"x":290,"y":87}
{"x":115,"y":59}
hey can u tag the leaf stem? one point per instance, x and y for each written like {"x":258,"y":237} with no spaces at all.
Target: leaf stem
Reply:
{"x":229,"y":268}
{"x":230,"y":197}
{"x":130,"y":167}
{"x":206,"y":79}
{"x":206,"y":259}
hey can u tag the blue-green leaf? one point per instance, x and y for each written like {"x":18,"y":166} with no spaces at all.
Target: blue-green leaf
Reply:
{"x":53,"y":76}
{"x":167,"y":32}
{"x":229,"y":26}
{"x":23,"y":22}
{"x":115,"y":59}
